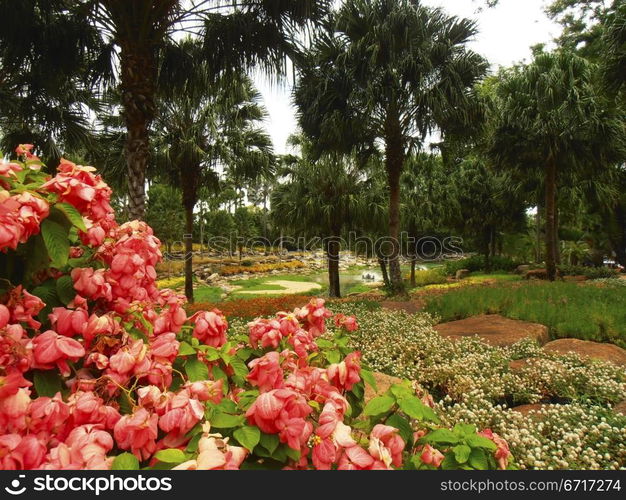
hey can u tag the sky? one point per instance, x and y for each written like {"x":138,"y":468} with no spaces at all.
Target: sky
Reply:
{"x":506,"y":33}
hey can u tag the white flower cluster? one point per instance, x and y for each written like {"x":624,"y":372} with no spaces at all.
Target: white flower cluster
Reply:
{"x":479,"y":384}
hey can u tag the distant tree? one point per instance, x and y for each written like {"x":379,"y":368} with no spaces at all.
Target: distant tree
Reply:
{"x":165,"y":213}
{"x":551,"y":113}
{"x":390,"y":72}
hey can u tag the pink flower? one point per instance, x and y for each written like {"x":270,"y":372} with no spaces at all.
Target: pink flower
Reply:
{"x":88,"y":408}
{"x":49,"y":414}
{"x":25,"y":151}
{"x":24,"y":306}
{"x":355,"y":458}
{"x":164,"y":347}
{"x":313,"y":316}
{"x":210,"y":327}
{"x":283,"y":412}
{"x":431,"y":456}
{"x":206,"y":390}
{"x":52,"y":349}
{"x":345,"y":374}
{"x":91,"y":283}
{"x":100,"y":325}
{"x":386,"y":445}
{"x":5,"y":316}
{"x":13,"y":410}
{"x":31,"y":212}
{"x":8,"y":169}
{"x":181,"y":414}
{"x":214,"y":453}
{"x":302,"y":342}
{"x":267,"y":332}
{"x":502,"y":453}
{"x":68,"y":322}
{"x":347,"y":322}
{"x":138,"y":433}
{"x":265,"y":372}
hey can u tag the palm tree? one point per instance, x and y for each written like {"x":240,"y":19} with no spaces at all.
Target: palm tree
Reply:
{"x":203,"y":127}
{"x":320,"y":198}
{"x":390,"y":72}
{"x":551,"y":113}
{"x":134,"y":35}
{"x":44,"y":87}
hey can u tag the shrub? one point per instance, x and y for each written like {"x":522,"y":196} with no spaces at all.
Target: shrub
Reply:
{"x":429,"y":277}
{"x":261,"y":268}
{"x":589,"y":272}
{"x":477,"y":263}
{"x":100,"y":369}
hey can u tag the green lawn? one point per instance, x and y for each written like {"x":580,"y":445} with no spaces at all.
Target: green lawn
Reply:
{"x":207,"y":294}
{"x":568,"y":309}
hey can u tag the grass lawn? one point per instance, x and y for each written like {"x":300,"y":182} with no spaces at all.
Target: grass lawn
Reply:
{"x":570,"y":310}
{"x":207,"y":294}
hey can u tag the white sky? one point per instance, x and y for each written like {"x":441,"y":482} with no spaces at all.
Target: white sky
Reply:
{"x":506,"y":33}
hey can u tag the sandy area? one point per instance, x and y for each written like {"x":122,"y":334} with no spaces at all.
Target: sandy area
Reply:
{"x":289,"y":287}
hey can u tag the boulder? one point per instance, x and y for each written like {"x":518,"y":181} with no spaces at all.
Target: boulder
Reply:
{"x":531,"y":410}
{"x":588,"y":349}
{"x":213,"y":277}
{"x":620,"y":408}
{"x":462,"y":273}
{"x":521,"y":269}
{"x":494,"y":329}
{"x":383,"y":382}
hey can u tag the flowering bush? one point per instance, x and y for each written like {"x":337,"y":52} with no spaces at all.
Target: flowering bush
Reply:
{"x":100,"y":369}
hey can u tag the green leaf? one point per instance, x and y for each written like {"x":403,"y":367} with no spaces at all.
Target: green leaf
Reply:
{"x":185,"y":349}
{"x":413,"y":407}
{"x":269,"y":441}
{"x":379,"y":405}
{"x":248,"y":436}
{"x":476,"y":441}
{"x":403,"y":390}
{"x":240,"y":368}
{"x":449,"y":462}
{"x":461,"y":453}
{"x":228,"y":406}
{"x":72,"y":215}
{"x":47,"y":382}
{"x":196,"y":370}
{"x":223,"y":420}
{"x":171,"y":456}
{"x":332,"y":356}
{"x":56,"y":238}
{"x":323,"y":343}
{"x":478,"y":459}
{"x":403,"y":426}
{"x":293,"y":454}
{"x":65,"y":289}
{"x":125,"y":461}
{"x":443,"y":436}
{"x":126,"y":406}
{"x":465,"y":429}
{"x":243,"y":354}
{"x":368,"y":378}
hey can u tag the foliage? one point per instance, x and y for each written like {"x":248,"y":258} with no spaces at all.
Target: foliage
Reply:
{"x":165,"y":214}
{"x":588,"y":272}
{"x":429,"y":277}
{"x":478,"y":263}
{"x":261,"y":268}
{"x":567,"y":309}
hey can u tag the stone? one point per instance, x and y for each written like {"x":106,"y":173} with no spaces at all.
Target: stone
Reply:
{"x":383,"y":382}
{"x":620,"y":408}
{"x":588,"y":349}
{"x":494,"y":329}
{"x":213,"y":277}
{"x":531,"y":410}
{"x":462,"y":273}
{"x":521,"y":269}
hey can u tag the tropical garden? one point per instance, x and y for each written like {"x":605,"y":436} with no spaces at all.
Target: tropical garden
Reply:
{"x":432,"y":276}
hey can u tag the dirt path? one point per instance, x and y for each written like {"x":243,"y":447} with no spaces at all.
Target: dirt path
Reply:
{"x":289,"y":287}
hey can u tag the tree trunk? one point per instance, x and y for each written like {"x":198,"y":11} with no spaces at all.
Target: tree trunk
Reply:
{"x":383,"y":269}
{"x":618,"y":239}
{"x":557,"y":247}
{"x":332,"y":253}
{"x":394,"y":160}
{"x":189,"y":253}
{"x":138,"y":74}
{"x":538,"y":222}
{"x":550,"y":187}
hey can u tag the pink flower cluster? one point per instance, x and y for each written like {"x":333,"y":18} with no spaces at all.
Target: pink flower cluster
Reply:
{"x":20,"y":216}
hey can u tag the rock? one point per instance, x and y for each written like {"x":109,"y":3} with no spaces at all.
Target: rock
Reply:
{"x":531,"y":410}
{"x":494,"y":329}
{"x":383,"y":382}
{"x":522,"y":269}
{"x":462,"y":273}
{"x":588,"y":349}
{"x":213,"y":277}
{"x":620,"y":408}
